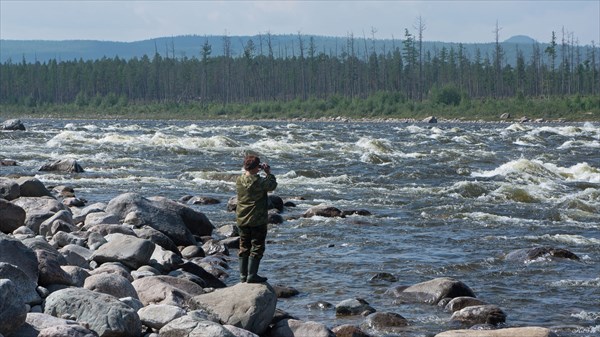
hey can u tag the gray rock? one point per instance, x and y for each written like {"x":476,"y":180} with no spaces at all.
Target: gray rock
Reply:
{"x":462,"y":302}
{"x":105,"y":230}
{"x":189,"y":325}
{"x":18,"y":254}
{"x":149,"y":233}
{"x":67,"y":330}
{"x":165,"y":260}
{"x":193,"y":251}
{"x":296,"y":328}
{"x":111,"y":284}
{"x":430,"y":119}
{"x":50,"y":271}
{"x":100,"y":218}
{"x":13,"y":310}
{"x":77,"y":255}
{"x":36,"y":322}
{"x":166,"y":290}
{"x":129,"y":250}
{"x":244,"y":305}
{"x":38,"y":210}
{"x":60,"y":221}
{"x":12,"y":216}
{"x":156,"y":316}
{"x":212,"y":247}
{"x":507,"y":332}
{"x":431,"y":291}
{"x":113,"y":268}
{"x":62,"y":239}
{"x":77,"y":275}
{"x":32,"y":187}
{"x":480,"y":314}
{"x":63,"y":165}
{"x":80,"y":215}
{"x":12,"y":125}
{"x":355,"y":306}
{"x":323,"y":210}
{"x":9,"y":189}
{"x":104,"y":313}
{"x":25,"y":286}
{"x":530,"y":254}
{"x":239,"y":332}
{"x":133,"y":303}
{"x":179,"y":222}
{"x":348,"y":330}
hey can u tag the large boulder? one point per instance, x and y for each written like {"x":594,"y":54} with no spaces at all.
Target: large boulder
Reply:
{"x":16,"y":253}
{"x":11,"y":216}
{"x":63,"y":165}
{"x":244,"y":305}
{"x":32,"y":187}
{"x":508,"y":332}
{"x":61,"y":221}
{"x":165,"y":289}
{"x":105,"y":314}
{"x":25,"y":286}
{"x":129,"y":250}
{"x":194,"y":326}
{"x":9,"y":189}
{"x":324,"y":211}
{"x":67,"y":330}
{"x":431,"y":291}
{"x":462,"y":302}
{"x":384,"y":322}
{"x":297,"y":328}
{"x":76,"y":255}
{"x":480,"y":314}
{"x":38,"y":210}
{"x":160,"y":239}
{"x":354,"y":306}
{"x":156,"y":316}
{"x":36,"y":322}
{"x":13,"y":311}
{"x":544,"y":252}
{"x":111,"y":284}
{"x":12,"y":125}
{"x":177,"y":221}
{"x":49,"y":269}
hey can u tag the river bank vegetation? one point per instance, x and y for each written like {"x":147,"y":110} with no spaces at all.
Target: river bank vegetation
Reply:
{"x":560,"y":81}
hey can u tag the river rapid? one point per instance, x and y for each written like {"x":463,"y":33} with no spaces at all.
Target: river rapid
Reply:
{"x":447,"y":200}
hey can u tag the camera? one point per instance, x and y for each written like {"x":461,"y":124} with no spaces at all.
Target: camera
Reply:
{"x":264,"y":166}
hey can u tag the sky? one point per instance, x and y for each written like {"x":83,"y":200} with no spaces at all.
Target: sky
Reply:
{"x":447,"y":21}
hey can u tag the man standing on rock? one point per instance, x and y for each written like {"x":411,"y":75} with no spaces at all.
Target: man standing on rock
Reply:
{"x":252,"y":216}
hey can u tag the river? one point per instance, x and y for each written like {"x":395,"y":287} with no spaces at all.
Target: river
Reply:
{"x":447,"y":199}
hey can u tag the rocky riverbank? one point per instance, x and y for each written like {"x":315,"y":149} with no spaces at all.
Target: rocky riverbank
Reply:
{"x":149,"y":266}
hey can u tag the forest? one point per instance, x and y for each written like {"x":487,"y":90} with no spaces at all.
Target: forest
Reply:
{"x":359,"y":79}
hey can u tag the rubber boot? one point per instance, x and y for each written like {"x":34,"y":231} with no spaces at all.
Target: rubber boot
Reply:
{"x":243,"y":268}
{"x":253,"y":276}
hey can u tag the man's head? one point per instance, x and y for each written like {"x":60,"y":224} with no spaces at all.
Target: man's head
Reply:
{"x":251,"y":162}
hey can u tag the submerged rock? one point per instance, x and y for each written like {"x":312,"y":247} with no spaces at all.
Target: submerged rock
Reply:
{"x":507,"y":332}
{"x":432,"y":291}
{"x":530,"y":254}
{"x":323,"y":210}
{"x":63,"y":165}
{"x":480,"y":314}
{"x":12,"y":125}
{"x":296,"y":328}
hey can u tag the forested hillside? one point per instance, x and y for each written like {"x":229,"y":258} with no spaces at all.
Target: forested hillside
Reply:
{"x":403,"y":73}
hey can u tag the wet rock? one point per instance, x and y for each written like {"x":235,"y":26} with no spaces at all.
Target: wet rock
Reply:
{"x":8,"y":162}
{"x":13,"y":311}
{"x":355,"y":306}
{"x":164,"y":289}
{"x":179,"y":222}
{"x":212,"y":247}
{"x":530,"y":254}
{"x":12,"y":216}
{"x":12,"y":125}
{"x":505,"y":116}
{"x":63,"y":165}
{"x":431,"y":291}
{"x":462,"y":302}
{"x":387,"y":277}
{"x":296,"y":328}
{"x":320,"y":305}
{"x":430,"y":119}
{"x":274,"y":218}
{"x":32,"y":187}
{"x":9,"y":189}
{"x":324,"y":211}
{"x":232,"y":204}
{"x":193,"y":251}
{"x":202,"y":201}
{"x":157,"y":316}
{"x":275,"y":202}
{"x":25,"y":287}
{"x":129,"y":250}
{"x":507,"y":332}
{"x":190,"y":325}
{"x":245,"y":305}
{"x":480,"y":314}
{"x":348,"y":330}
{"x":285,"y":292}
{"x":104,"y":313}
{"x":74,"y":202}
{"x":384,"y":322}
{"x":361,"y":212}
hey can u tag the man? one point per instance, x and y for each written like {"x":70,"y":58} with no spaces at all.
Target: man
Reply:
{"x":252,"y":216}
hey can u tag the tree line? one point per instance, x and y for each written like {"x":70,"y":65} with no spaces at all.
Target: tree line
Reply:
{"x":355,"y":70}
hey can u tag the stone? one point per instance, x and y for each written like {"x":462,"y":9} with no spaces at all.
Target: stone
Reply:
{"x":63,"y":165}
{"x":165,"y":289}
{"x":113,"y":268}
{"x":192,"y":326}
{"x":99,"y":218}
{"x":213,"y":247}
{"x":202,"y":201}
{"x":239,"y":332}
{"x":14,"y":252}
{"x":387,"y":277}
{"x":430,"y":119}
{"x":462,"y":302}
{"x":507,"y":332}
{"x":32,"y":187}
{"x":156,"y":316}
{"x":9,"y":189}
{"x":38,"y":209}
{"x":63,"y":239}
{"x":296,"y":328}
{"x":165,"y":260}
{"x":208,"y":279}
{"x":355,"y":306}
{"x":25,"y":287}
{"x":78,"y":275}
{"x":530,"y":254}
{"x":60,"y":221}
{"x":480,"y":314}
{"x":79,"y":215}
{"x":13,"y":310}
{"x":67,"y":330}
{"x":285,"y":292}
{"x":111,"y":284}
{"x":160,"y":239}
{"x":384,"y":322}
{"x":179,"y":222}
{"x":320,"y":305}
{"x":348,"y":330}
{"x":324,"y":211}
{"x":193,"y":251}
{"x":129,"y":250}
{"x":12,"y":125}
{"x":249,"y":306}
{"x":12,"y":216}
{"x":36,"y":322}
{"x":104,"y":313}
{"x":431,"y":291}
{"x":50,"y":271}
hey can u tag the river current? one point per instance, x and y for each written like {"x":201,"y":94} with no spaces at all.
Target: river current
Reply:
{"x":447,"y":200}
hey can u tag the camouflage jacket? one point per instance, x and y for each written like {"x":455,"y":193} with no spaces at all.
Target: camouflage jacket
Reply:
{"x":252,"y":200}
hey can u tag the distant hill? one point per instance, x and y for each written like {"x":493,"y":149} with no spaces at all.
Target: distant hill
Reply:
{"x":190,"y":46}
